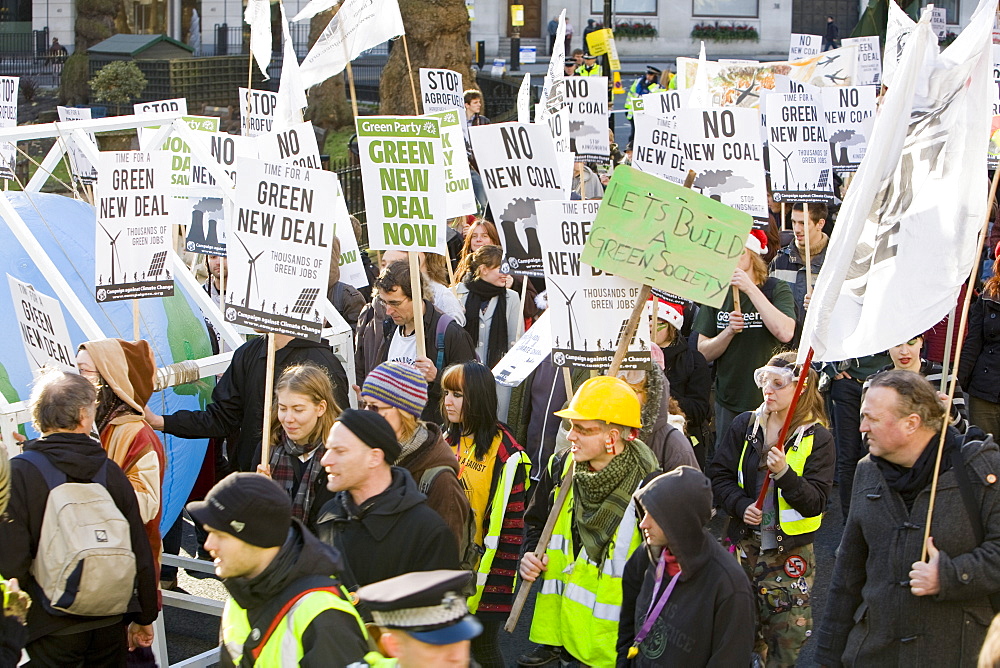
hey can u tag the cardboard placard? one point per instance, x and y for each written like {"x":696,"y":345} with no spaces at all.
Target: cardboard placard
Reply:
{"x":869,"y":59}
{"x":803,"y":46}
{"x":587,"y":101}
{"x":850,"y":118}
{"x":798,"y":148}
{"x":529,"y":351}
{"x":43,"y":328}
{"x":8,"y":119}
{"x":460,"y":199}
{"x":293,"y":146}
{"x":84,"y":171}
{"x":178,"y":104}
{"x":257,"y":111}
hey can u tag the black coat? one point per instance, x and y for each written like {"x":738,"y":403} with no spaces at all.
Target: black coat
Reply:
{"x":979,"y":370}
{"x":690,"y":379}
{"x":871,"y":617}
{"x":238,"y":397}
{"x":390,"y":534}
{"x":79,"y":457}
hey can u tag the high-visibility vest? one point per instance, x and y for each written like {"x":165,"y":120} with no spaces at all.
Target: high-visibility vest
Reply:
{"x":790,"y":521}
{"x":633,"y":93}
{"x":497,"y":508}
{"x":284,"y":646}
{"x":579,"y":603}
{"x":595,"y":71}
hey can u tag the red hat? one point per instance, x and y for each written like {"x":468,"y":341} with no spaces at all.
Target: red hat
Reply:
{"x":757,"y":242}
{"x":672,"y":313}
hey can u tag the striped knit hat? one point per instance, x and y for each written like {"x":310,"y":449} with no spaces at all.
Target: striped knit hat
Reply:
{"x":399,"y":385}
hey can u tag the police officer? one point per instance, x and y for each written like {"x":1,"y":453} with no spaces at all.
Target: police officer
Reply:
{"x":579,"y":601}
{"x":423,"y":618}
{"x":569,"y":67}
{"x":647,"y":83}
{"x":590,"y":68}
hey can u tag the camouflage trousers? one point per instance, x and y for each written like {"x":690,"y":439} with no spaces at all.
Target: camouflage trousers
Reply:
{"x":782,"y":583}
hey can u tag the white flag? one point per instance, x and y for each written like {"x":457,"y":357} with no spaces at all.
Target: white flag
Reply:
{"x":291,"y":93}
{"x":258,"y":15}
{"x":897,"y":30}
{"x":524,"y":99}
{"x":358,"y":26}
{"x":906,"y":235}
{"x":554,"y":85}
{"x":313,"y":8}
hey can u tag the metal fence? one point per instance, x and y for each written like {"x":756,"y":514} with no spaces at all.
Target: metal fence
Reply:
{"x":233,"y":40}
{"x":349,"y":172}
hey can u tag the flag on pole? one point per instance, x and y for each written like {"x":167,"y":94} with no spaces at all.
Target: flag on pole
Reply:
{"x":524,"y":99}
{"x":291,"y":92}
{"x":313,"y":8}
{"x":358,"y":26}
{"x":554,"y":85}
{"x":258,"y":15}
{"x":906,"y":235}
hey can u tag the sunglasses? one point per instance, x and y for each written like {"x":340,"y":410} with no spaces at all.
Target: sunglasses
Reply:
{"x":374,"y":408}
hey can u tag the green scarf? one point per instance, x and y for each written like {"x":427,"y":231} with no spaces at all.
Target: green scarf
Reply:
{"x":601,"y":497}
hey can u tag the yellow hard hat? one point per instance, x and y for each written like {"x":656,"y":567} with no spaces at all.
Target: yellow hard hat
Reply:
{"x":605,"y":398}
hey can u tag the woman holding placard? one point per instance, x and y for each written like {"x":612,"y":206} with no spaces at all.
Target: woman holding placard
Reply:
{"x":484,"y":233}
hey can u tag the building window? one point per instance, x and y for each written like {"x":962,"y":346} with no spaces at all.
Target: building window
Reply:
{"x":727,"y":8}
{"x":624,"y":7}
{"x":950,"y":5}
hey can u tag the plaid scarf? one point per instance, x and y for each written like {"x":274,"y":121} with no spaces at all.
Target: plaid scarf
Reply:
{"x":601,"y":497}
{"x":283,"y":473}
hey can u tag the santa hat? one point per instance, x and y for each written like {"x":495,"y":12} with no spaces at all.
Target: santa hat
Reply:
{"x":672,"y":313}
{"x":757,"y":242}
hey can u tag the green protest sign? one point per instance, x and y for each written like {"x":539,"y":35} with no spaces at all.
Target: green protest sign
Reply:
{"x":659,"y":233}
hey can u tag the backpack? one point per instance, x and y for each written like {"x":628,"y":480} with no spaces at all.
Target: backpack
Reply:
{"x":84,"y":564}
{"x":439,"y":331}
{"x":469,"y":553}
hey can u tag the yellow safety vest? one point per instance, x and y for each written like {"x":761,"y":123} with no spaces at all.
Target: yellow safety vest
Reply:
{"x":595,"y":71}
{"x":580,"y":601}
{"x":498,"y":506}
{"x":284,"y":645}
{"x":790,"y":521}
{"x":633,"y":94}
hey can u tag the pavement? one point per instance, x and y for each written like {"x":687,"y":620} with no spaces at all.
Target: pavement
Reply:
{"x":189,"y":633}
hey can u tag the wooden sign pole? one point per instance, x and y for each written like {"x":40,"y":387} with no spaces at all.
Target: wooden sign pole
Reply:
{"x":418,"y":303}
{"x":265,"y":434}
{"x":807,"y":227}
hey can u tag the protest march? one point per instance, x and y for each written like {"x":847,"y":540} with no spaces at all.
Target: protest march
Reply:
{"x":698,"y":367}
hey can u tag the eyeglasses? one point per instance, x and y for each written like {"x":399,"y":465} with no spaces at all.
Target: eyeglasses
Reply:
{"x":374,"y":408}
{"x":393,"y":304}
{"x":775,"y":377}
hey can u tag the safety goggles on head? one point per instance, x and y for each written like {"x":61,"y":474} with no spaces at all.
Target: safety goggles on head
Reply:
{"x":775,"y":377}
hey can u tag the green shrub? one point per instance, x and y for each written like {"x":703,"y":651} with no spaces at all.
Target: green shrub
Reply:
{"x":119,"y":81}
{"x":73,"y":88}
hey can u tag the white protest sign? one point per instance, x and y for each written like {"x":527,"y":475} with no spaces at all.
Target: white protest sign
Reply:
{"x":257,"y":111}
{"x":460,"y":199}
{"x":518,"y":164}
{"x":663,"y":103}
{"x":588,"y":308}
{"x":279,"y":249}
{"x":939,"y":22}
{"x":803,"y":46}
{"x":83,"y":169}
{"x":180,"y":152}
{"x":996,"y":80}
{"x":529,"y":351}
{"x":133,"y":225}
{"x":798,"y":148}
{"x":352,"y":270}
{"x":208,"y":224}
{"x":402,"y":168}
{"x":441,"y":90}
{"x":8,"y":119}
{"x":43,"y":328}
{"x":178,"y":104}
{"x":227,"y":150}
{"x":850,"y":118}
{"x":657,"y":146}
{"x":869,"y":57}
{"x":294,"y":146}
{"x":723,"y":147}
{"x":587,"y":101}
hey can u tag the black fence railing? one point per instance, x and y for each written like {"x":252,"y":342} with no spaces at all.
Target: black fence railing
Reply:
{"x":234,"y":40}
{"x":349,"y":172}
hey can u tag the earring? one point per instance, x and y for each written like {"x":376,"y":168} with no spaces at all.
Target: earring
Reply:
{"x":609,"y":448}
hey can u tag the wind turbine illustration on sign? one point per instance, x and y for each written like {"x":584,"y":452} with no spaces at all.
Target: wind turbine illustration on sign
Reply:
{"x":252,"y":274}
{"x":114,"y":251}
{"x":571,"y":318}
{"x":785,"y":158}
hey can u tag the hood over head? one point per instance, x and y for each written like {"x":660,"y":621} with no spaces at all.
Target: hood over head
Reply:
{"x":680,"y":501}
{"x":126,"y":366}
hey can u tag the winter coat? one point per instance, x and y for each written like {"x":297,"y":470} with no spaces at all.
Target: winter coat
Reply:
{"x":671,"y":447}
{"x":80,"y":457}
{"x":390,"y":534}
{"x":806,"y":493}
{"x":690,"y":379}
{"x":979,"y":369}
{"x":709,"y":618}
{"x":789,"y":265}
{"x":445,"y":496}
{"x":333,"y":638}
{"x":238,"y":397}
{"x":348,"y":301}
{"x":871,"y":617}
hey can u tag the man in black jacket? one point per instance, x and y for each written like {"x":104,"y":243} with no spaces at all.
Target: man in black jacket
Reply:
{"x":379,"y":520}
{"x":238,"y":397}
{"x":63,"y":407}
{"x":285,"y":606}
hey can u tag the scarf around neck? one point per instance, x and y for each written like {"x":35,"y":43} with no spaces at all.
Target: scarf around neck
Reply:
{"x":600,"y":498}
{"x":481,"y":292}
{"x":909,"y":482}
{"x":283,"y":473}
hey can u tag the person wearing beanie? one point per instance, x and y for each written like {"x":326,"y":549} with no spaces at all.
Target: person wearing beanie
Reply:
{"x":123,"y":373}
{"x":398,"y":392}
{"x":285,"y":605}
{"x":741,"y":338}
{"x":683,"y":567}
{"x":378,"y":520}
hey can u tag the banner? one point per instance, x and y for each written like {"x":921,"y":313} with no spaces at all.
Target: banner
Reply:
{"x":358,"y":26}
{"x":133,"y":226}
{"x":518,"y":164}
{"x":84,"y":171}
{"x":178,"y":104}
{"x":459,"y":197}
{"x":294,"y":146}
{"x":403,"y":173}
{"x":723,"y":147}
{"x":8,"y":119}
{"x":589,"y":309}
{"x":803,"y":46}
{"x":656,"y":232}
{"x":910,"y":220}
{"x":279,"y":260}
{"x":798,"y":149}
{"x":257,"y":111}
{"x":529,"y":351}
{"x":587,"y":101}
{"x":869,"y":59}
{"x":850,"y":117}
{"x":43,"y":328}
{"x":207,"y":226}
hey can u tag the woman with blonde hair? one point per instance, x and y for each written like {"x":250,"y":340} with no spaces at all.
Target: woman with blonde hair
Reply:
{"x":303,"y":412}
{"x":775,"y":542}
